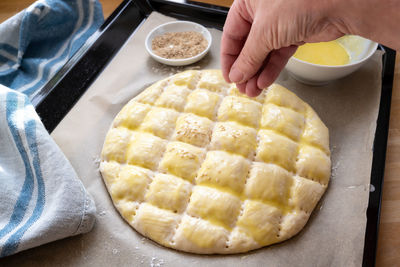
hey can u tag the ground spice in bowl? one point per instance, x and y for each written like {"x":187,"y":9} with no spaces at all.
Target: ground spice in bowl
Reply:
{"x":178,"y":45}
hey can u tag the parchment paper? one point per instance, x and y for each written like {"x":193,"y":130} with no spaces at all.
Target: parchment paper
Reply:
{"x":334,"y":235}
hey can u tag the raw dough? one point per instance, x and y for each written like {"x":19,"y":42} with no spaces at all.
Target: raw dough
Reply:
{"x":196,"y":166}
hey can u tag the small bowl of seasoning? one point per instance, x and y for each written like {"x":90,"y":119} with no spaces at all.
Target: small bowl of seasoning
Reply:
{"x":178,"y":43}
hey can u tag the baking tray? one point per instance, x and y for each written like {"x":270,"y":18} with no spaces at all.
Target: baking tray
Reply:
{"x":60,"y":94}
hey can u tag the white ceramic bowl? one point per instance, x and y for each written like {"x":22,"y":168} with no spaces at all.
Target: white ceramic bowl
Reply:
{"x":360,"y":50}
{"x":178,"y":26}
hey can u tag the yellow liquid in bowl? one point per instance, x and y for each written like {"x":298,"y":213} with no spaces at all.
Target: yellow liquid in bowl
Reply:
{"x":326,"y":53}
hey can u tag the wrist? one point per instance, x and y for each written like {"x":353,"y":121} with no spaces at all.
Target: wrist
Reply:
{"x":376,"y":20}
{"x":336,"y":13}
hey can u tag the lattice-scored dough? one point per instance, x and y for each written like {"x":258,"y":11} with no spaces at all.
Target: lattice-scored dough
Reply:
{"x":160,"y":122}
{"x":203,"y":103}
{"x":269,"y":182}
{"x":241,"y":110}
{"x":169,"y":192}
{"x":216,"y":206}
{"x":283,"y":120}
{"x":195,"y":165}
{"x":224,"y":170}
{"x":182,"y":160}
{"x":234,"y":138}
{"x":193,"y":130}
{"x":260,"y":221}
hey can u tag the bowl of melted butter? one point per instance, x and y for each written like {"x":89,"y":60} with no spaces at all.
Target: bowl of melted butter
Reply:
{"x":320,"y":63}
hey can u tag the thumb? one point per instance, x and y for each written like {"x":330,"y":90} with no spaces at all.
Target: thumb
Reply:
{"x":251,"y":57}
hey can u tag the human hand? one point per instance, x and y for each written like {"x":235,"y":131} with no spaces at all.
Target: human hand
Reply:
{"x":260,"y":36}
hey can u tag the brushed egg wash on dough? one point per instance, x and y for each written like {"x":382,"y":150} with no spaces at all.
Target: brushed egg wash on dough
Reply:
{"x":195,"y":165}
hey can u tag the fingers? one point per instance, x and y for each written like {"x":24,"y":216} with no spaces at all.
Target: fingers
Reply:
{"x":241,"y":87}
{"x":251,"y":57}
{"x":226,"y":63}
{"x":236,"y":29}
{"x":251,"y":87}
{"x":274,"y":66}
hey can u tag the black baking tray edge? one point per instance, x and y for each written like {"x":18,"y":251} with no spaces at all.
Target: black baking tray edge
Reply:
{"x":60,"y":94}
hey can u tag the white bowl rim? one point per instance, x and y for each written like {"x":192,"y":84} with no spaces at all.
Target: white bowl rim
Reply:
{"x":341,"y":66}
{"x":180,"y":60}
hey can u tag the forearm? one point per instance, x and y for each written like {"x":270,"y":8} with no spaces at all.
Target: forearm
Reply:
{"x":378,"y":20}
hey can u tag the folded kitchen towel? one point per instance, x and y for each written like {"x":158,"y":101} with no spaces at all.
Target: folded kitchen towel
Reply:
{"x":41,"y":197}
{"x":37,"y":42}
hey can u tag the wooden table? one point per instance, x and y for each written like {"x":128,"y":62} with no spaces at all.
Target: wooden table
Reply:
{"x":389,"y":232}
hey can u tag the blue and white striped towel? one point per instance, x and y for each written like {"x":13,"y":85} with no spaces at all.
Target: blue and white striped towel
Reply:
{"x":35,"y":43}
{"x":41,"y":197}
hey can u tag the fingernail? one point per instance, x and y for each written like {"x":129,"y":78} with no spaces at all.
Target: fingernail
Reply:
{"x":236,"y":76}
